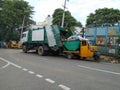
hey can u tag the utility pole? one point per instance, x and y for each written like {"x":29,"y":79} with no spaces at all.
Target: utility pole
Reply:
{"x":23,"y":22}
{"x":1,"y":9}
{"x":64,"y":13}
{"x":22,"y":27}
{"x":0,"y":20}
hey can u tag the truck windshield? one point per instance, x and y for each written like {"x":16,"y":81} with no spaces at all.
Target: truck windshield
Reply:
{"x":23,"y":35}
{"x":84,"y":43}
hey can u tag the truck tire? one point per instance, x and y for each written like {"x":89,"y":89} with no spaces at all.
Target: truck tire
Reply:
{"x":41,"y":51}
{"x":69,"y":55}
{"x":84,"y":58}
{"x":24,"y":47}
{"x":97,"y":58}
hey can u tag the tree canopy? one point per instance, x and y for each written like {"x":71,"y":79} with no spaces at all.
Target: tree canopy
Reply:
{"x":68,"y":21}
{"x":104,"y":15}
{"x":11,"y":18}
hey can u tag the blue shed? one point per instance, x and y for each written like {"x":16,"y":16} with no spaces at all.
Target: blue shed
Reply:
{"x":105,"y":39}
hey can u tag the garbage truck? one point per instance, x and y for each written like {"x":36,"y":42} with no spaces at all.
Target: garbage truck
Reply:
{"x":55,"y":40}
{"x":44,"y":39}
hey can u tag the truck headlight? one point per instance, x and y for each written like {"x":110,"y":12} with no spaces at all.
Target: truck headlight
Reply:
{"x":92,"y":49}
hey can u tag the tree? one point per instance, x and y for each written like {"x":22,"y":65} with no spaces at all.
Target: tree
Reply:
{"x":69,"y":20}
{"x":104,"y":15}
{"x":13,"y":12}
{"x":118,"y":40}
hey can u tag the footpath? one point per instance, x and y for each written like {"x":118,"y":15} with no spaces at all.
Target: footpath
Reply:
{"x":109,"y":59}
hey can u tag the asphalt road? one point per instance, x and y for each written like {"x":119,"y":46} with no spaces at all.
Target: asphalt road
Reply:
{"x":21,"y":71}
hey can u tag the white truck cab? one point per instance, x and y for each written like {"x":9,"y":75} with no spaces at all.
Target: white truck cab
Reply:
{"x":24,"y":37}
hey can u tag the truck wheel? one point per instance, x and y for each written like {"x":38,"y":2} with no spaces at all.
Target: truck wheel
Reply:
{"x":24,"y":48}
{"x":84,"y":58}
{"x":97,"y":58}
{"x":69,"y":55}
{"x":41,"y":51}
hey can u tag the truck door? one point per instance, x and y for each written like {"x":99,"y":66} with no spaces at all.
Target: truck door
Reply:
{"x":84,"y":48}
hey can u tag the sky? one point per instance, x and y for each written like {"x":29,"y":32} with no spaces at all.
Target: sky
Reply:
{"x":79,"y":9}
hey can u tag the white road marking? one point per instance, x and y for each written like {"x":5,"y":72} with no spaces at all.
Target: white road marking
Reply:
{"x":101,"y":70}
{"x":24,"y":69}
{"x":31,"y":72}
{"x":39,"y":76}
{"x":49,"y":80}
{"x":4,"y":60}
{"x":10,"y":62}
{"x":64,"y":87}
{"x":6,"y":65}
{"x":16,"y":65}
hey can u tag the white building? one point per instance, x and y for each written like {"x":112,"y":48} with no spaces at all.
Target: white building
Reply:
{"x":47,"y":21}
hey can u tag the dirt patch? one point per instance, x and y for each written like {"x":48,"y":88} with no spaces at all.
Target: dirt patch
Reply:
{"x":109,"y":59}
